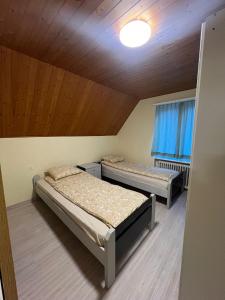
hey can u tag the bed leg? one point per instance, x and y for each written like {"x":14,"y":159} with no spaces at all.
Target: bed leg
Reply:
{"x":183,"y":182}
{"x":168,"y":202}
{"x":169,"y":197}
{"x":34,"y":180}
{"x":110,"y":258}
{"x":152,"y":223}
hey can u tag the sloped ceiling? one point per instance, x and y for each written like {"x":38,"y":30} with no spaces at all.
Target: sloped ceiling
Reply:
{"x":82,"y":37}
{"x":38,"y":99}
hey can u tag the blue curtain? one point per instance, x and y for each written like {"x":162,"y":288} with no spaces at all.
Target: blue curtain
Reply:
{"x":173,"y":130}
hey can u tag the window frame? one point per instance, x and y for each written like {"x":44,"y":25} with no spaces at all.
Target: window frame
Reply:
{"x":170,"y":159}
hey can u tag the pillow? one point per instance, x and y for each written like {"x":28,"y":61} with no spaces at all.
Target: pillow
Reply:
{"x":63,"y":171}
{"x":113,"y":158}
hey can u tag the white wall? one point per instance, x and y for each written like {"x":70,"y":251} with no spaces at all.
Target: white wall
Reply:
{"x":203,"y":267}
{"x":135,"y":137}
{"x":21,"y":158}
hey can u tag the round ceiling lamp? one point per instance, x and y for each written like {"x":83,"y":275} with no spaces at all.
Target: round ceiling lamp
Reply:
{"x":135,"y":33}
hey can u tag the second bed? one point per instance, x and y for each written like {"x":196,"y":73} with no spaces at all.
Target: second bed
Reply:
{"x":162,"y":182}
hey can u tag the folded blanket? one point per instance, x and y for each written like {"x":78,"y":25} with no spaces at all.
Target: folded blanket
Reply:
{"x":109,"y":203}
{"x":158,"y":173}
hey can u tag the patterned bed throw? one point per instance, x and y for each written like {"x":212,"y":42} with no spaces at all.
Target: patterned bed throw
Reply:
{"x":157,"y":173}
{"x":109,"y":203}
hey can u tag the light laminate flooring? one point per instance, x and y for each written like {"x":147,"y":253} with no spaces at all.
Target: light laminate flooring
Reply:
{"x":50,"y":263}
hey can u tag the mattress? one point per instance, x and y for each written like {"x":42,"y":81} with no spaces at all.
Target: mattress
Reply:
{"x":140,"y":169}
{"x":93,"y":227}
{"x":151,"y":185}
{"x":109,"y":203}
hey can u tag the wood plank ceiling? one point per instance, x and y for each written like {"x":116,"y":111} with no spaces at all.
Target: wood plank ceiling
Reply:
{"x":82,"y":37}
{"x":38,"y":99}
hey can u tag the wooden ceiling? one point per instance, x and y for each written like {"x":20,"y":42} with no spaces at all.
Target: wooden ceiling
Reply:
{"x":82,"y":37}
{"x":38,"y":99}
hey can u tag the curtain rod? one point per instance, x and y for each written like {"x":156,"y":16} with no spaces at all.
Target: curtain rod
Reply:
{"x":174,"y":101}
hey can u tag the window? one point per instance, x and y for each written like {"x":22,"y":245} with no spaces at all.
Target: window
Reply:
{"x":173,"y":131}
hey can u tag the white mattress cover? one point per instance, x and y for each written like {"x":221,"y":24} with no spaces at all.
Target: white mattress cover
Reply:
{"x":93,"y":227}
{"x":154,"y":183}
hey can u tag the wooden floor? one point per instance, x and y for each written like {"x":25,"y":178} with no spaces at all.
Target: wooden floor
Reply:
{"x":50,"y":263}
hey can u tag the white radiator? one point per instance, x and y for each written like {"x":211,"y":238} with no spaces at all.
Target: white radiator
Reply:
{"x":180,"y":167}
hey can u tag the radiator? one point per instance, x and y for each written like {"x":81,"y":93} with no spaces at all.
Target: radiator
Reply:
{"x":180,"y":167}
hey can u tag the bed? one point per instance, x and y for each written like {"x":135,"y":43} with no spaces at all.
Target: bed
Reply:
{"x":161,"y":182}
{"x":106,"y":242}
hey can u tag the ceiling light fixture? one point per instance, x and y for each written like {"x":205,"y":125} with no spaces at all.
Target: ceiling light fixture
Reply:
{"x":135,"y":33}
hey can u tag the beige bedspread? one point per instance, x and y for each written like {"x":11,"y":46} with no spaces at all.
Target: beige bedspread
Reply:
{"x":110,"y":203}
{"x":158,"y":173}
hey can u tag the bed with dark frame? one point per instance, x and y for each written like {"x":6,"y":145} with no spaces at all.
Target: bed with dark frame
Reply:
{"x":118,"y":240}
{"x":138,"y":183}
